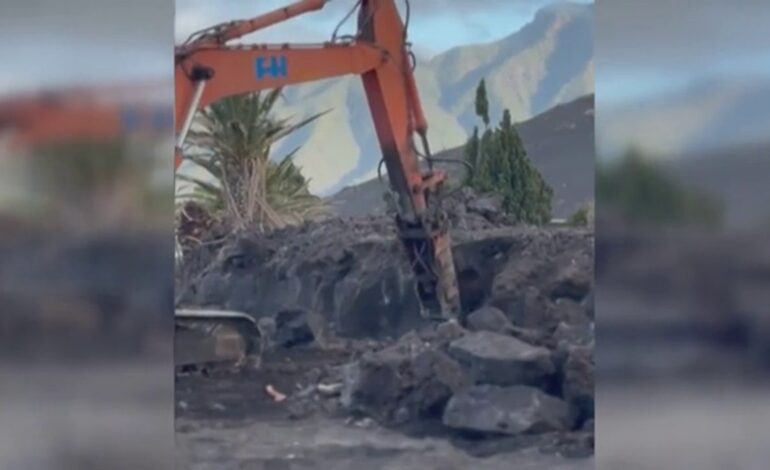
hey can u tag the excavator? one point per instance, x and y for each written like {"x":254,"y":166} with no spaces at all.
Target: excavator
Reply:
{"x":209,"y":67}
{"x":90,"y":114}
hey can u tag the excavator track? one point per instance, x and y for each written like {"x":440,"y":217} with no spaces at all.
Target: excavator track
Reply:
{"x":206,"y":338}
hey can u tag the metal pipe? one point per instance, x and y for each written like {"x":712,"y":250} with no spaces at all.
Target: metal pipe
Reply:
{"x":188,"y":120}
{"x":244,"y":27}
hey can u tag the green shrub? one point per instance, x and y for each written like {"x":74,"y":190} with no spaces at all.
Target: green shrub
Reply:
{"x":501,"y":166}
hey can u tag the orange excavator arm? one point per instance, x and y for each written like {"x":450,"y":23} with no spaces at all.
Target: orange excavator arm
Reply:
{"x":207,"y":69}
{"x":85,"y":114}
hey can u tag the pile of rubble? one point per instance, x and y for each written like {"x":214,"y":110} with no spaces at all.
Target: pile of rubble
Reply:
{"x":73,"y":294}
{"x":354,"y":273}
{"x":518,"y":363}
{"x":484,"y":379}
{"x":709,"y":307}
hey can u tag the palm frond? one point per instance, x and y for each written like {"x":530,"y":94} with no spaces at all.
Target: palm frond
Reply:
{"x":233,"y":139}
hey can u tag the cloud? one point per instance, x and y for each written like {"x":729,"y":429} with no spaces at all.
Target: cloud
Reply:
{"x":673,"y":35}
{"x":436,"y":25}
{"x":72,"y":41}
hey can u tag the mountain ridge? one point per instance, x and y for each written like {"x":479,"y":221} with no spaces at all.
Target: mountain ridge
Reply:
{"x":547,"y":62}
{"x":681,"y":124}
{"x":559,"y":142}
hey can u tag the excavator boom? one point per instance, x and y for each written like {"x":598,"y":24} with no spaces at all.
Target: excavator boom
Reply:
{"x":225,"y":32}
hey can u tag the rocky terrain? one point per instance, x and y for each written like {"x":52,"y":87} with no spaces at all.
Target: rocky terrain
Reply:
{"x":71,"y":294}
{"x":698,"y":297}
{"x":85,"y":358}
{"x":712,"y":114}
{"x":683,"y":346}
{"x":348,"y":348}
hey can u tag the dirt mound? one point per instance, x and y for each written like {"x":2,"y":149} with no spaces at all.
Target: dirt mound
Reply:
{"x":71,"y":295}
{"x":523,"y":349}
{"x":352,"y":270}
{"x":699,"y":296}
{"x":354,"y":273}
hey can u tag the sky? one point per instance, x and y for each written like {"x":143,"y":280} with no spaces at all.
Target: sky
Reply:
{"x":646,"y":49}
{"x":435,"y":25}
{"x":643,"y":48}
{"x":50,"y":43}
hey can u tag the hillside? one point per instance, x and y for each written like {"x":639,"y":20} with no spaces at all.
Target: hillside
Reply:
{"x":702,"y":118}
{"x":547,"y":62}
{"x":560,"y":142}
{"x":737,"y":175}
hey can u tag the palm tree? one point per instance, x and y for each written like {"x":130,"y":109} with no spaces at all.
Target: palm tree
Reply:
{"x":232,"y":140}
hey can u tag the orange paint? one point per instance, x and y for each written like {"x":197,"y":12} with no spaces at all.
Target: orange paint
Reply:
{"x":80,"y":115}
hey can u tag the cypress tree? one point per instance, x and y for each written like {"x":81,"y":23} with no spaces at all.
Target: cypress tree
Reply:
{"x":502,"y":166}
{"x":482,"y":103}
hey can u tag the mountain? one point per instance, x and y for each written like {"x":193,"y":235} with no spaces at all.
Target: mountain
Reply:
{"x":702,"y":118}
{"x":560,"y":143}
{"x":712,"y":135}
{"x":547,"y":62}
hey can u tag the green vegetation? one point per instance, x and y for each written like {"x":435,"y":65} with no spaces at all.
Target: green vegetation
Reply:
{"x":233,"y":141}
{"x":640,"y":191}
{"x":90,"y":183}
{"x":501,"y":166}
{"x":482,"y":103}
{"x":583,"y":217}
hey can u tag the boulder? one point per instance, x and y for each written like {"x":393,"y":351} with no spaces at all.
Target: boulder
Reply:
{"x":402,"y":384}
{"x":449,"y":331}
{"x":292,"y":328}
{"x":490,"y":409}
{"x":567,"y":336}
{"x":588,"y":304}
{"x":490,"y":206}
{"x":578,"y":385}
{"x":572,"y":282}
{"x":568,"y":311}
{"x":494,"y":358}
{"x":573,"y":356}
{"x":525,"y":306}
{"x":489,"y":318}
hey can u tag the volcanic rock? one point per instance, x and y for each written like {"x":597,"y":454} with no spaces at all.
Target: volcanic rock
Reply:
{"x":354,"y":272}
{"x":292,"y":328}
{"x":505,"y":410}
{"x":449,"y":331}
{"x":490,"y":206}
{"x":494,"y":358}
{"x":573,"y":282}
{"x":402,"y":383}
{"x":578,"y":384}
{"x":489,"y":318}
